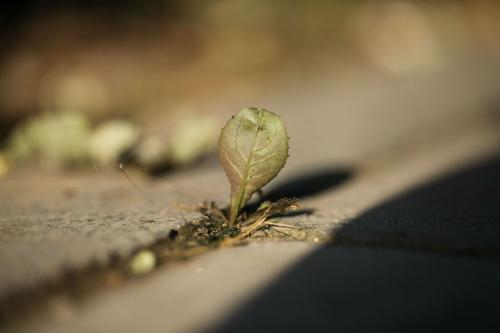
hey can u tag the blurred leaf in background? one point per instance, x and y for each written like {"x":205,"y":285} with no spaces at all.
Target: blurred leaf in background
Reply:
{"x":187,"y":138}
{"x":110,"y":140}
{"x":141,"y":60}
{"x":193,"y":136}
{"x":55,"y":140}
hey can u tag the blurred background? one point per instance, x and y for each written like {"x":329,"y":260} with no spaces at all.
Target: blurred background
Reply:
{"x":84,"y":82}
{"x":385,"y":102}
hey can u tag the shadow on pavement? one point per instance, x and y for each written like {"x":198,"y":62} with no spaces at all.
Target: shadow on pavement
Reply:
{"x":304,"y":185}
{"x":459,"y":212}
{"x":309,"y":184}
{"x":361,"y":289}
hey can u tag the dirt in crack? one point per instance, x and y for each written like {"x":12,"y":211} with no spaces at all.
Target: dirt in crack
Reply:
{"x":213,"y":230}
{"x":194,"y":237}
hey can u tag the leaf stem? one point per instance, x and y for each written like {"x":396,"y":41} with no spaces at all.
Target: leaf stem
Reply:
{"x":237,"y":202}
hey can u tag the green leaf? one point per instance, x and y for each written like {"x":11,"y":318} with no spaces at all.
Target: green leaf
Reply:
{"x":253,"y":147}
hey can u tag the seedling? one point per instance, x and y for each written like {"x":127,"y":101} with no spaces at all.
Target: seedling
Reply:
{"x":253,"y":148}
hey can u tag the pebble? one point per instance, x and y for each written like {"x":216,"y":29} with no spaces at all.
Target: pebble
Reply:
{"x":142,"y":263}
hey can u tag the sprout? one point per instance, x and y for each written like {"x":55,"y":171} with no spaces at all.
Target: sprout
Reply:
{"x":253,"y":148}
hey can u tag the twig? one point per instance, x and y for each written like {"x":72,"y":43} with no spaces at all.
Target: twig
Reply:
{"x":281,"y":232}
{"x":220,"y":214}
{"x":146,"y":196}
{"x":274,"y":224}
{"x":245,"y":232}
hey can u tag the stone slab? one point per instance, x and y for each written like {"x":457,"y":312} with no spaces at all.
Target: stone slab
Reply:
{"x":382,"y":153}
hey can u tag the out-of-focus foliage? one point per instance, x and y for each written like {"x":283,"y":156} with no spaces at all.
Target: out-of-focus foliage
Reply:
{"x":55,"y":140}
{"x":59,"y":140}
{"x":141,"y":60}
{"x":151,"y":152}
{"x":110,"y":63}
{"x":111,"y":139}
{"x":192,"y":137}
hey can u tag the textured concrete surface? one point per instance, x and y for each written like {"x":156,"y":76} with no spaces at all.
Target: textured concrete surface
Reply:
{"x":51,"y":226}
{"x":365,"y":290}
{"x":298,"y":285}
{"x":387,"y":162}
{"x":312,"y":288}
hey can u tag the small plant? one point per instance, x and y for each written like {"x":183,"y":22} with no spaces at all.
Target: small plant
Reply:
{"x":253,"y":148}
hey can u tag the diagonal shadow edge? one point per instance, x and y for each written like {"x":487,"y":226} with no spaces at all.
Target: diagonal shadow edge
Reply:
{"x":346,"y":289}
{"x":306,"y":184}
{"x":458,"y":212}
